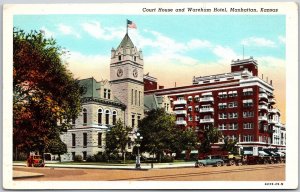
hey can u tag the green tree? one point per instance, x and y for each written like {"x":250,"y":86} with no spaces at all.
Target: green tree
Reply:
{"x":160,"y":134}
{"x":44,"y":91}
{"x":117,"y":138}
{"x":56,"y":146}
{"x":210,"y":135}
{"x":230,"y":145}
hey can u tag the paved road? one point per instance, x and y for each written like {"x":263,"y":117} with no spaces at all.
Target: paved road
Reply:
{"x":274,"y":172}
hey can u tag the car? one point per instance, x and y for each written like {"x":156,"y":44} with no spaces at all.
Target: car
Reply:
{"x":210,"y":160}
{"x":35,"y":161}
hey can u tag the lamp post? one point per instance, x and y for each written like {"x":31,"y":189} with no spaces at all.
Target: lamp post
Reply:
{"x":138,"y":141}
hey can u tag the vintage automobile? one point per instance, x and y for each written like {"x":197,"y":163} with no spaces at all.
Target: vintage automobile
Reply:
{"x":214,"y":160}
{"x":35,"y":161}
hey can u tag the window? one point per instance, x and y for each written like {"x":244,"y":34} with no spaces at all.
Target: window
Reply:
{"x":197,"y":108}
{"x":135,"y":97}
{"x":107,"y":117}
{"x":139,"y":120}
{"x":139,"y":98}
{"x":247,"y":114}
{"x":84,"y":140}
{"x":232,"y":104}
{"x":120,"y":57}
{"x":114,"y":115}
{"x":222,"y":116}
{"x":108,"y":94}
{"x":222,"y":95}
{"x":190,"y":118}
{"x":233,"y":126}
{"x":84,"y":116}
{"x":73,"y":156}
{"x":197,"y":118}
{"x":105,"y":90}
{"x":84,"y":155}
{"x":134,"y":58}
{"x":131,"y":96}
{"x":222,"y":126}
{"x":248,"y":138}
{"x":132,"y":120}
{"x":232,"y":115}
{"x":73,"y":120}
{"x":73,"y":140}
{"x":222,"y":105}
{"x":99,"y":140}
{"x":248,"y":91}
{"x":247,"y":103}
{"x":248,"y":125}
{"x":190,"y":98}
{"x":99,"y":116}
{"x":190,"y":108}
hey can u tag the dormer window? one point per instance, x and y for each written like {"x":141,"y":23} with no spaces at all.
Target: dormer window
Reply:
{"x":120,"y":57}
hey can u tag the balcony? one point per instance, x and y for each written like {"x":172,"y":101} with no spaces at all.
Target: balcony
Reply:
{"x":272,"y":101}
{"x":274,"y":111}
{"x":204,"y":110}
{"x":180,"y":102}
{"x":211,"y":120}
{"x":263,"y":107}
{"x":263,"y":96}
{"x":272,"y":121}
{"x":181,"y":122}
{"x":262,"y":118}
{"x":205,"y":99}
{"x":180,"y":112}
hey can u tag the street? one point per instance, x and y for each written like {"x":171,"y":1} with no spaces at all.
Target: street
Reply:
{"x":270,"y":172}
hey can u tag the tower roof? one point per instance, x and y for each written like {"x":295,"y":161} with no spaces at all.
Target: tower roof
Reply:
{"x":126,"y":42}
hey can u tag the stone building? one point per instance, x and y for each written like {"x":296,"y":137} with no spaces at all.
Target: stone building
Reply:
{"x":104,"y":102}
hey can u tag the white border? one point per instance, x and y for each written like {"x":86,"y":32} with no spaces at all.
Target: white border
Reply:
{"x":285,"y":8}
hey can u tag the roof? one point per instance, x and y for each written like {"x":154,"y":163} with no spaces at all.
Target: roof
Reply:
{"x":150,"y":102}
{"x":90,"y":87}
{"x":126,"y":42}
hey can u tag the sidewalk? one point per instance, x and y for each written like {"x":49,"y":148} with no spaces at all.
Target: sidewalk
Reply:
{"x":144,"y":166}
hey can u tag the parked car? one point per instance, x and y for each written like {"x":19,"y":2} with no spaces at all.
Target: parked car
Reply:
{"x":35,"y":161}
{"x":210,"y":160}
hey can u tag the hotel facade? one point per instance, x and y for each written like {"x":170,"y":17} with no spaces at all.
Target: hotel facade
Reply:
{"x":239,"y":103}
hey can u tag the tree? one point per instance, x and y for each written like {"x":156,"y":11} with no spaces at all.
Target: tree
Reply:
{"x":210,"y":135}
{"x":117,"y":138}
{"x":160,"y":134}
{"x":56,"y":146}
{"x":230,"y":145}
{"x":44,"y":91}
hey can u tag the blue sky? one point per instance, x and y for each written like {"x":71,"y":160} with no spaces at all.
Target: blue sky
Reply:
{"x":175,"y":47}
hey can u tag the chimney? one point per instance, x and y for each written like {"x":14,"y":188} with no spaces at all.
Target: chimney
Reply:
{"x":175,"y":84}
{"x":271,"y":82}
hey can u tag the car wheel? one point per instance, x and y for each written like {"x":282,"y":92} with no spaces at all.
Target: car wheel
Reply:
{"x":218,"y":164}
{"x":201,"y":165}
{"x":196,"y":164}
{"x":231,"y":162}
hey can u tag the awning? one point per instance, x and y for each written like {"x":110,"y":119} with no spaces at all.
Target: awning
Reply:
{"x":230,"y":92}
{"x":234,"y":92}
{"x":262,"y":153}
{"x":248,"y":101}
{"x":196,"y":96}
{"x":190,"y":97}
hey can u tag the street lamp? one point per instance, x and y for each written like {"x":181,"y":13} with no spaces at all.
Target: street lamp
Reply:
{"x":138,"y":141}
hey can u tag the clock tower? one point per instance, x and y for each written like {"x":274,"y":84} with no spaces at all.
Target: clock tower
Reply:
{"x":126,"y":78}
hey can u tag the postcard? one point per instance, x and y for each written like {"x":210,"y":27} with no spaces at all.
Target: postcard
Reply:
{"x":150,"y":96}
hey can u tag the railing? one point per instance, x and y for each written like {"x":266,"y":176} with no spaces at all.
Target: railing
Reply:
{"x":262,"y":118}
{"x":272,"y":121}
{"x":203,"y":110}
{"x":203,"y":99}
{"x":180,"y":102}
{"x":263,"y":107}
{"x":181,"y":122}
{"x":180,"y":112}
{"x":211,"y":120}
{"x":272,"y":101}
{"x":263,"y":95}
{"x":274,"y":111}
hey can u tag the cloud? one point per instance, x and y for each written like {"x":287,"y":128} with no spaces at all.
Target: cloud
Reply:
{"x":85,"y":66}
{"x":224,"y":53}
{"x":258,"y":42}
{"x":197,"y":43}
{"x":95,"y":29}
{"x":281,"y":39}
{"x":47,"y":32}
{"x":68,"y":30}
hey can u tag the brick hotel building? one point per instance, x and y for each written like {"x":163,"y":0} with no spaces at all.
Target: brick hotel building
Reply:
{"x":239,"y":103}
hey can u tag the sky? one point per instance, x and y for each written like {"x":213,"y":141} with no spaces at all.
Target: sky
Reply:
{"x":175,"y":47}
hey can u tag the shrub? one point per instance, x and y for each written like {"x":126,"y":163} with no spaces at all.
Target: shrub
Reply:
{"x":78,"y":158}
{"x":90,"y":158}
{"x":167,"y":159}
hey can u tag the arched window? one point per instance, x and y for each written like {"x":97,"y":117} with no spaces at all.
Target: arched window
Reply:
{"x":99,"y":116}
{"x":84,"y":111}
{"x":107,"y":112}
{"x":114,"y":117}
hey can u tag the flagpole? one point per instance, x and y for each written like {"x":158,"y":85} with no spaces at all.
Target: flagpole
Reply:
{"x":126,"y":26}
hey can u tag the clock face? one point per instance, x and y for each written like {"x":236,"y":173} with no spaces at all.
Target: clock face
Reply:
{"x":119,"y":72}
{"x":135,"y":73}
